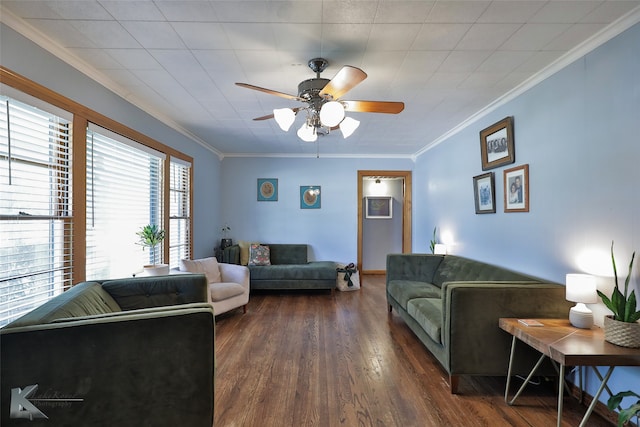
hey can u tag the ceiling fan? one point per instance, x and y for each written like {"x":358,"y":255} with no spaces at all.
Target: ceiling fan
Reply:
{"x":324,"y":107}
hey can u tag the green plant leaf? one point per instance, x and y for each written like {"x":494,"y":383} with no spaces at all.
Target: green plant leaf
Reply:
{"x":626,"y":282}
{"x":617,"y":299}
{"x":626,"y":414}
{"x":605,"y":299}
{"x":615,"y":270}
{"x":630,"y":307}
{"x":622,"y":305}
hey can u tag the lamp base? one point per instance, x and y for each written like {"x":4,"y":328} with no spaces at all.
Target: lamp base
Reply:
{"x":581,"y":319}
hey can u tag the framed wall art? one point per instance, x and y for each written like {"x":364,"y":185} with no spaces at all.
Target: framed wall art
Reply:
{"x":496,"y":144}
{"x":310,"y":197}
{"x":267,"y":189}
{"x":379,"y":207}
{"x":516,"y":189}
{"x":484,"y":192}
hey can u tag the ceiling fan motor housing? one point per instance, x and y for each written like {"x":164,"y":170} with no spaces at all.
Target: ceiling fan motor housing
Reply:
{"x":309,"y":89}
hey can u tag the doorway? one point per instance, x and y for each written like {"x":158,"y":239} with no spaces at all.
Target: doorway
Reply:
{"x":401,"y":178}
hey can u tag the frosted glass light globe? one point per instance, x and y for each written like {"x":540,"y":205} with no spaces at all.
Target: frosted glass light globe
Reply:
{"x":331,"y":114}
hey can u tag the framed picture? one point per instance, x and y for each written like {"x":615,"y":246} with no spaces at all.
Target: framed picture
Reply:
{"x":516,"y":189}
{"x":484,"y":192}
{"x":379,"y":207}
{"x":267,"y":189}
{"x":310,"y":197}
{"x":496,"y":144}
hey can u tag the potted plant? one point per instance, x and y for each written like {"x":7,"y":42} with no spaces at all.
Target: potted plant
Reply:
{"x":433,"y":241}
{"x":150,"y":237}
{"x":625,"y":414}
{"x":226,"y":241}
{"x":622,"y":328}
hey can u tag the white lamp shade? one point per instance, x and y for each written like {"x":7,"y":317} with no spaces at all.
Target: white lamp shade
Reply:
{"x":348,"y":126}
{"x":581,"y":288}
{"x":306,"y":133}
{"x":284,"y":117}
{"x":440,"y":249}
{"x":331,"y":113}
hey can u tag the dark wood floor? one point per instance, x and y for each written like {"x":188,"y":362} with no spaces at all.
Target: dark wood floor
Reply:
{"x":315,"y":359}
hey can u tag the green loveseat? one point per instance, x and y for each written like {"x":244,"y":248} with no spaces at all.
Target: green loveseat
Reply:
{"x":289,"y":269}
{"x":453,"y":304}
{"x":127,"y":352}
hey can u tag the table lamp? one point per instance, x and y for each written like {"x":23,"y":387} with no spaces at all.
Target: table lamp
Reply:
{"x":581,"y":289}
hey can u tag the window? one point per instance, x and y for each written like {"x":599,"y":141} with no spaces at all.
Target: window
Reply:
{"x":47,"y":243}
{"x":124,"y":193}
{"x":180,"y":212}
{"x":35,"y":206}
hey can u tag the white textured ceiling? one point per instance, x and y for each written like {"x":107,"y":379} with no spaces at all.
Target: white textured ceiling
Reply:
{"x":446,"y":60}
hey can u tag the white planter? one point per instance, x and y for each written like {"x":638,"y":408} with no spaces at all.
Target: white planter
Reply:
{"x":156,"y":270}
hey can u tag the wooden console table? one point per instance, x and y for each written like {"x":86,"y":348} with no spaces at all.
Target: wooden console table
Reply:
{"x":568,"y":346}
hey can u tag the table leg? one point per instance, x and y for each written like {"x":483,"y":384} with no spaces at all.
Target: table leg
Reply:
{"x":526,"y":381}
{"x":603,"y":384}
{"x":560,"y":393}
{"x":513,"y":348}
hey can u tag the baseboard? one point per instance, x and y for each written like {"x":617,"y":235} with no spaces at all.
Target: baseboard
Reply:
{"x":600,"y":408}
{"x":374,"y":272}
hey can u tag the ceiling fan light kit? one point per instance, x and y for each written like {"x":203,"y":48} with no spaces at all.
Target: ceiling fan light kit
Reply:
{"x":348,"y":126}
{"x":307,"y":133}
{"x":284,"y":117}
{"x":325,"y":110}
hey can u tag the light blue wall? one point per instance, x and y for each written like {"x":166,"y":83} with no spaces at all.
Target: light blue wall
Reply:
{"x":579,"y":131}
{"x":26,"y":58}
{"x":331,"y":231}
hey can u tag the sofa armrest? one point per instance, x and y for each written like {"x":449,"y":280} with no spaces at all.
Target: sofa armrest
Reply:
{"x":158,"y":310}
{"x":234,"y":273}
{"x":121,"y":370}
{"x":415,"y":267}
{"x":231,"y":254}
{"x":470,"y":317}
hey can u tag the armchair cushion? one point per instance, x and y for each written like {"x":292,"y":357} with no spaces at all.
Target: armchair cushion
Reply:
{"x":207,"y":266}
{"x":222,"y":291}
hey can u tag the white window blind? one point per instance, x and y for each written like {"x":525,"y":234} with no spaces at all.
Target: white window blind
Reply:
{"x":124,"y":193}
{"x":35,"y":207}
{"x":179,"y":211}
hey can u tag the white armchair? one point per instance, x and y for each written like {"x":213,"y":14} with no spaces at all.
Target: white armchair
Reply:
{"x":228,"y":283}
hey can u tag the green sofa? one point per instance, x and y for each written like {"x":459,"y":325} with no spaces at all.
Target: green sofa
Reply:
{"x":453,"y":304}
{"x":289,"y":269}
{"x":127,"y":352}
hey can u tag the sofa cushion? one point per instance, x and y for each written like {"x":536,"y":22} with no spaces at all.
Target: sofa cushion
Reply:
{"x":157,"y":291}
{"x":224,"y":290}
{"x":316,"y":270}
{"x":404,"y":290}
{"x":83,"y":299}
{"x":244,"y":251}
{"x":288,"y":253}
{"x":453,"y":268}
{"x":428,"y":313}
{"x":259,"y":255}
{"x":207,"y":266}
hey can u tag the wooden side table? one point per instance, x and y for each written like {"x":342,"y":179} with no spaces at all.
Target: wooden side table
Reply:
{"x":568,"y":346}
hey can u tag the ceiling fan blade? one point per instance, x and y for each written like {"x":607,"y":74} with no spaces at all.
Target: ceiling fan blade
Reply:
{"x":269,"y":91}
{"x":347,"y":78}
{"x":388,"y":107}
{"x":271,"y":116}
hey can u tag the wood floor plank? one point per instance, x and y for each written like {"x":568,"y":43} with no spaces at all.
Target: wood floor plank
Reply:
{"x":320,"y":359}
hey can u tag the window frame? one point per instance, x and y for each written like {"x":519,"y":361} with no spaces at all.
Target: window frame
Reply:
{"x":81,"y":117}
